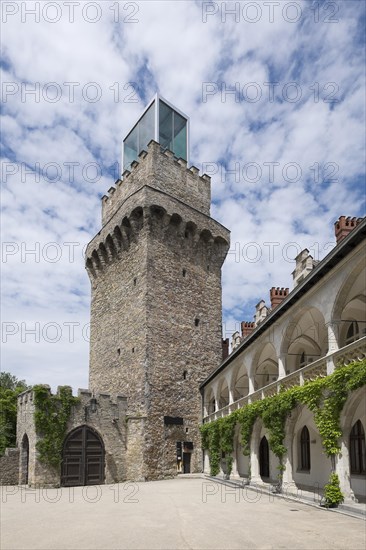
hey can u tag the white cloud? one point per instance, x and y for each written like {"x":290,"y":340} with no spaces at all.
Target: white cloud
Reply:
{"x":172,"y":50}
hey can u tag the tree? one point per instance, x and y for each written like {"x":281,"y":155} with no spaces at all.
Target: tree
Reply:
{"x":10,"y":388}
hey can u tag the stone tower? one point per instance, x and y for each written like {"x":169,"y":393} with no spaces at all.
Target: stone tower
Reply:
{"x":155,"y":271}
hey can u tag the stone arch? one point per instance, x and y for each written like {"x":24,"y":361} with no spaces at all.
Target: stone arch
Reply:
{"x":259,"y":431}
{"x":190,"y":230}
{"x":210,"y":401}
{"x":96,"y":261}
{"x":83,"y":458}
{"x":317,"y":475}
{"x":137,"y":218}
{"x":305,"y":339}
{"x":241,"y":382}
{"x":118,"y":238}
{"x":111,"y":247}
{"x":265,"y":366}
{"x":174,"y":226}
{"x":349,"y":307}
{"x":223,"y":393}
{"x":24,"y":460}
{"x":103,"y":254}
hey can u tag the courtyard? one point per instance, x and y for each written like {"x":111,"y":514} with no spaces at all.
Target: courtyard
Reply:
{"x":194,"y":513}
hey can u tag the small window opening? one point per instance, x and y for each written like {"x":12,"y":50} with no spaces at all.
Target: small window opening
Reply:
{"x":186,"y":430}
{"x":119,"y":351}
{"x":185,"y":375}
{"x":184,"y":272}
{"x":196,"y":322}
{"x":133,"y":350}
{"x":186,"y":234}
{"x":134,"y":281}
{"x":208,"y":268}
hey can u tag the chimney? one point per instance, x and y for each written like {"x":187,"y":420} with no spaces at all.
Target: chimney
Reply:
{"x":277,"y":295}
{"x":246,"y":328}
{"x":225,"y":348}
{"x":344,"y":226}
{"x":304,"y":264}
{"x":235,"y":340}
{"x":261,"y":312}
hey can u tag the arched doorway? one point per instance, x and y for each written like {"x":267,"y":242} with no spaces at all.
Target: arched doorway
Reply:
{"x":24,"y":457}
{"x":264,"y":457}
{"x":82,"y":458}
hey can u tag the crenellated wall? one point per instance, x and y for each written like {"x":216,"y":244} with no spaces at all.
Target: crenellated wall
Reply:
{"x":108,"y":420}
{"x":163,"y":172}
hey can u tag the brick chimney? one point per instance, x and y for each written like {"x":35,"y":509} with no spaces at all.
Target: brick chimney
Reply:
{"x":344,"y":226}
{"x":277,"y":295}
{"x":246,"y":328}
{"x":225,"y":348}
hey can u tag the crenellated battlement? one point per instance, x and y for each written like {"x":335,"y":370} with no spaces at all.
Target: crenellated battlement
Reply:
{"x":153,"y":211}
{"x":161,"y":170}
{"x":159,"y":217}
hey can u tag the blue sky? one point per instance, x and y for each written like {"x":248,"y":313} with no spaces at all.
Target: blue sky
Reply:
{"x":275,"y":92}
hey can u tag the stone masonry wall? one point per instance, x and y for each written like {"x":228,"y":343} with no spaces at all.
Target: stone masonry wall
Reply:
{"x":164,"y":173}
{"x":109,"y":421}
{"x":9,"y":467}
{"x":155,"y":269}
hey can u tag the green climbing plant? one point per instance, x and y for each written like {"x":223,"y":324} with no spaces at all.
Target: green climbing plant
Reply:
{"x":51,"y":416}
{"x":325,"y":397}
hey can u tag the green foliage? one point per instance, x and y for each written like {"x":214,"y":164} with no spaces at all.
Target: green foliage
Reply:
{"x":10,"y":388}
{"x":10,"y":382}
{"x":246,"y":418}
{"x":332,"y":492}
{"x":52,"y":413}
{"x":325,"y":397}
{"x":218,"y":438}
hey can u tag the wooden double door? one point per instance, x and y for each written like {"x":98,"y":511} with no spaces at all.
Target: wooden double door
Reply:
{"x":82,"y":458}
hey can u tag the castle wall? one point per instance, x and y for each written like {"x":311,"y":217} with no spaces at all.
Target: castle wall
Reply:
{"x":9,"y":467}
{"x":109,"y":421}
{"x":164,"y":173}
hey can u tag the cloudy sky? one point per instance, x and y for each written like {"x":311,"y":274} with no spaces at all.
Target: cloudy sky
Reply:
{"x":275,"y":92}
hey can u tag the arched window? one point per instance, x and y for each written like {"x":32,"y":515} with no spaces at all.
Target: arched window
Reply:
{"x":305,"y":449}
{"x":352,"y":332}
{"x":357,"y":449}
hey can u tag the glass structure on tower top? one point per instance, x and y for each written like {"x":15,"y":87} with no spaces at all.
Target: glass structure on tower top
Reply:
{"x":162,"y":122}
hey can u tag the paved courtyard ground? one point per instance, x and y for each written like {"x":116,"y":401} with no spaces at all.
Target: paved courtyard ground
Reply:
{"x":171,"y":514}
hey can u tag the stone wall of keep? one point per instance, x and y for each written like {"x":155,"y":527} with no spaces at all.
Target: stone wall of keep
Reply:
{"x":9,"y":467}
{"x":163,"y":172}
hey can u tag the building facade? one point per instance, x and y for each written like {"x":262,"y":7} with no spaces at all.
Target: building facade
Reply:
{"x":303,"y":334}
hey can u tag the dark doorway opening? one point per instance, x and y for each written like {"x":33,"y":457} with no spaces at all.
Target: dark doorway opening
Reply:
{"x":264,"y":457}
{"x":187,"y":453}
{"x":24,"y":472}
{"x":186,"y":463}
{"x":82,"y":458}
